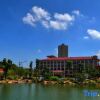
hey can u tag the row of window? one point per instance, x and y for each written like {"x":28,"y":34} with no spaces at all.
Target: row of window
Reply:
{"x":62,"y":68}
{"x":65,"y":62}
{"x":62,"y":65}
{"x":81,"y":61}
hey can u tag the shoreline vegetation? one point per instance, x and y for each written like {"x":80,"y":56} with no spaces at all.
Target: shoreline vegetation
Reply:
{"x":54,"y":80}
{"x":11,"y":73}
{"x":68,"y":82}
{"x":7,"y":81}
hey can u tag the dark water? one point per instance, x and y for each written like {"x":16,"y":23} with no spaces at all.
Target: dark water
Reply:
{"x":41,"y":92}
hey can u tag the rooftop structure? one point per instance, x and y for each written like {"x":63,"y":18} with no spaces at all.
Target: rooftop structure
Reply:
{"x":63,"y":50}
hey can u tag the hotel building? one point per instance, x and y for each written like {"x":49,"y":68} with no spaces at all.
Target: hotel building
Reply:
{"x":66,"y":66}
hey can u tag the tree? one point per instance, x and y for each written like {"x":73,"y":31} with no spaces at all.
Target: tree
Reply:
{"x":36,"y":73}
{"x":80,"y":67}
{"x":9,"y":62}
{"x":69,"y":66}
{"x":11,"y":74}
{"x":20,"y":71}
{"x":30,"y":69}
{"x":6,"y":65}
{"x":93,"y":72}
{"x":79,"y":77}
{"x":46,"y":73}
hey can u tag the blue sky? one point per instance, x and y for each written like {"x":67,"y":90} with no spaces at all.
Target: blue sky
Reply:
{"x":31,"y":29}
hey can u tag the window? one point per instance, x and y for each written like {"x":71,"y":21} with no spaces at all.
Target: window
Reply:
{"x":62,"y":68}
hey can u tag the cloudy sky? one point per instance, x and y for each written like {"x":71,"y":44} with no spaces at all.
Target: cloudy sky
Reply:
{"x":31,"y":29}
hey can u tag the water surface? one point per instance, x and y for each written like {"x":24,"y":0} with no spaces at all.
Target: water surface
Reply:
{"x":42,"y":92}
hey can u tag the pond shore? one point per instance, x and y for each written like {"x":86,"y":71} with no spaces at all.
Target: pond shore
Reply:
{"x":15,"y":81}
{"x":87,"y":82}
{"x":90,"y":83}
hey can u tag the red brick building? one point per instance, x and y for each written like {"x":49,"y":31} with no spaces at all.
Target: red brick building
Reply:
{"x":66,"y":66}
{"x":1,"y":70}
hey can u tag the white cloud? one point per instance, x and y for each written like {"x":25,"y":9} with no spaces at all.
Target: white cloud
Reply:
{"x":93,"y":33}
{"x":56,"y":21}
{"x":29,"y":19}
{"x":45,"y":24}
{"x":61,"y":21}
{"x":58,"y":25}
{"x":76,"y":12}
{"x":64,"y":17}
{"x":40,"y":13}
{"x":86,"y":37}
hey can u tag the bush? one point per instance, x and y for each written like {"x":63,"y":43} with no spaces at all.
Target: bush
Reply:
{"x":54,"y":78}
{"x":12,"y":77}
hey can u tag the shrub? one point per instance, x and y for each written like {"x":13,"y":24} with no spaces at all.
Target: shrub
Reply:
{"x":54,"y":78}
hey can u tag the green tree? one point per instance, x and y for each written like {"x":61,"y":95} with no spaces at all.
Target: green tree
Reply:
{"x":11,"y":74}
{"x":6,"y":67}
{"x":20,"y":71}
{"x":69,"y":66}
{"x":30,"y":69}
{"x":93,"y":73}
{"x":46,"y":73}
{"x":80,"y":67}
{"x":9,"y":62}
{"x":79,"y":77}
{"x":36,"y":72}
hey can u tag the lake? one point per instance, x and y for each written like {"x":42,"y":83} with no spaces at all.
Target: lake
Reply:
{"x":43,"y":92}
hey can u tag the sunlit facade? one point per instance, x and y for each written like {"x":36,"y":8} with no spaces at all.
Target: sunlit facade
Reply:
{"x":67,"y":66}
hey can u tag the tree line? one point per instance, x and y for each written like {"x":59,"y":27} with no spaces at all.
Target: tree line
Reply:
{"x":13,"y":71}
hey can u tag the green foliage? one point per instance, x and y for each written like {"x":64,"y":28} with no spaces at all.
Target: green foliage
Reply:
{"x":36,"y":72}
{"x":54,"y":78}
{"x":12,"y":77}
{"x":79,"y":77}
{"x":12,"y":71}
{"x":46,"y":73}
{"x":21,"y":72}
{"x":94,"y":73}
{"x":69,"y":64}
{"x":7,"y":65}
{"x":30,"y":69}
{"x":1,"y":76}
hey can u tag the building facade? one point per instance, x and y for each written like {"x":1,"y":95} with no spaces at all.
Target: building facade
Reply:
{"x":66,"y":66}
{"x":63,"y":50}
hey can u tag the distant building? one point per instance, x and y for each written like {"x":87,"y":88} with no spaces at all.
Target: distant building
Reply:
{"x":1,"y":70}
{"x":66,"y":66}
{"x":63,"y":50}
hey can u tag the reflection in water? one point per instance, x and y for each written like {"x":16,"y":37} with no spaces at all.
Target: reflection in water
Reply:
{"x":42,"y":92}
